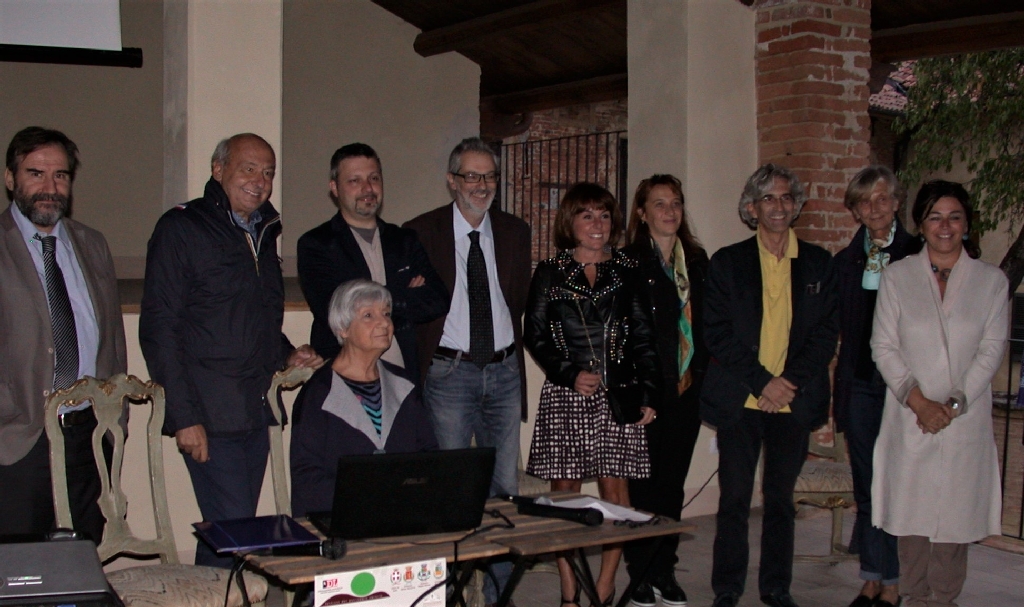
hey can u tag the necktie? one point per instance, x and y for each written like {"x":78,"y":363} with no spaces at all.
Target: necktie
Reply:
{"x":62,"y":319}
{"x":481,"y":329}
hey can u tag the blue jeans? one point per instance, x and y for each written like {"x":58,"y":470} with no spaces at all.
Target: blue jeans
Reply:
{"x":228,"y":485}
{"x":879,"y":554}
{"x":465,"y":400}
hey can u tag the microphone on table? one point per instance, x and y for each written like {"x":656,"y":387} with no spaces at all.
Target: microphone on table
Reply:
{"x":590,"y":517}
{"x":331,"y":548}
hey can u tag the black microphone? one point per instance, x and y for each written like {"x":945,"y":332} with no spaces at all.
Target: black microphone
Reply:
{"x":331,"y":548}
{"x":590,"y":517}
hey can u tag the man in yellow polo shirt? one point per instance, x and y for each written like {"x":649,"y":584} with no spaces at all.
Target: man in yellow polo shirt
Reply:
{"x":771,"y":325}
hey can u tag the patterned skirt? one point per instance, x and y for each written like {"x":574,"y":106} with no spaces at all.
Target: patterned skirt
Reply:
{"x":575,"y":438}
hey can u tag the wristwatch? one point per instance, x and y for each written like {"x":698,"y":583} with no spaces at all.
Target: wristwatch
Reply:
{"x":958,"y":403}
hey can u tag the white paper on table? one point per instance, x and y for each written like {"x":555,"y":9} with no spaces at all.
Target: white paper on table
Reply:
{"x":611,"y":512}
{"x":387,"y":586}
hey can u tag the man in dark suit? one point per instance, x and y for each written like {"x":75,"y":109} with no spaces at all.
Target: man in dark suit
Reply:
{"x":60,"y":319}
{"x":771,"y":326}
{"x":472,"y":357}
{"x":357,"y":243}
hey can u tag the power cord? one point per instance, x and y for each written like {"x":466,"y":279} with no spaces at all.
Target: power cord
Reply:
{"x":701,"y":489}
{"x":450,"y":578}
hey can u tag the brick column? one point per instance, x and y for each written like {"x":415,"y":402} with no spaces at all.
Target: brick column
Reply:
{"x":812,"y":63}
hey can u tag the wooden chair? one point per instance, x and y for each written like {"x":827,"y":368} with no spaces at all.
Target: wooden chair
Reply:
{"x":288,"y":379}
{"x":827,"y":483}
{"x":168,"y":583}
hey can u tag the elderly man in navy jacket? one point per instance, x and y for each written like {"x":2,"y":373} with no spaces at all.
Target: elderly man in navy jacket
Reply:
{"x":210,"y":328}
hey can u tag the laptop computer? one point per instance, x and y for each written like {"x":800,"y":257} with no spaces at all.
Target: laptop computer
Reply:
{"x":53,"y":573}
{"x":254,"y":533}
{"x":391,"y":494}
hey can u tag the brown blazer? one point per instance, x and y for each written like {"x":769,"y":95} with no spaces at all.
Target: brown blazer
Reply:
{"x":512,"y":254}
{"x":26,"y":338}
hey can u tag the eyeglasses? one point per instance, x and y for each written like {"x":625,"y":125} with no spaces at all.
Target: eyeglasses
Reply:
{"x":771,"y":198}
{"x":491,"y":177}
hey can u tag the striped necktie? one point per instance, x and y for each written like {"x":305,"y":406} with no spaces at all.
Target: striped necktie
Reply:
{"x":62,"y":318}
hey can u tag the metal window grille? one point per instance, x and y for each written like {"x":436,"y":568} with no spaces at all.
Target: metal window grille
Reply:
{"x":537,"y":174}
{"x":1008,"y":417}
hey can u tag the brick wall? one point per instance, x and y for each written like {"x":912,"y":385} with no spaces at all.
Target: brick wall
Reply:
{"x":812,"y":63}
{"x":582,"y":119}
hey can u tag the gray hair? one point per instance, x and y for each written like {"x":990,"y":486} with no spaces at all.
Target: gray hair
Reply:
{"x":865,"y":181}
{"x":348,"y":298}
{"x":470,"y":144}
{"x":222,"y":153}
{"x":761,"y":182}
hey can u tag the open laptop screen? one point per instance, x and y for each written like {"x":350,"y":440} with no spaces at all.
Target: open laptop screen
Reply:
{"x":391,"y":494}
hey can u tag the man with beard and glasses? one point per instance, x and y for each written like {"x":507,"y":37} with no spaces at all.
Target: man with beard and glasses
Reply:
{"x":357,"y":243}
{"x":60,"y":319}
{"x":472,"y":357}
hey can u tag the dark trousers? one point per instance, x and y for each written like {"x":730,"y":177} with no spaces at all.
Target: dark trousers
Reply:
{"x":671,"y":439}
{"x":879,"y":555}
{"x":739,"y":446}
{"x":26,"y":504}
{"x":227,"y":486}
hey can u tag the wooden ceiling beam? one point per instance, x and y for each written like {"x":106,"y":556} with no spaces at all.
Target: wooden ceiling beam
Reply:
{"x":473,"y":31}
{"x":970,"y":35}
{"x":591,"y":90}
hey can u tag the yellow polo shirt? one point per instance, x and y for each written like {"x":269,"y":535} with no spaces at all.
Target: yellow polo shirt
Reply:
{"x":777,"y":304}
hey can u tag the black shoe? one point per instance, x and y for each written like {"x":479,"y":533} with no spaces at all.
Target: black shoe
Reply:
{"x":778,"y":600}
{"x":726,"y":599}
{"x":643,"y":596}
{"x":884,"y":603}
{"x":668,"y":590}
{"x":863,"y":601}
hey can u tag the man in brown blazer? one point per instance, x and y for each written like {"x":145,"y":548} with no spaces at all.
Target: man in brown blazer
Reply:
{"x":60,"y":319}
{"x":472,"y":357}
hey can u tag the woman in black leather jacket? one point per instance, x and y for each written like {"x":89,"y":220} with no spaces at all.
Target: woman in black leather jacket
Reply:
{"x":588,"y":326}
{"x":673,"y":266}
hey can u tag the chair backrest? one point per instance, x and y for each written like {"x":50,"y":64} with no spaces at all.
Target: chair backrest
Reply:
{"x":110,"y":401}
{"x":836,"y":453}
{"x":290,"y":378}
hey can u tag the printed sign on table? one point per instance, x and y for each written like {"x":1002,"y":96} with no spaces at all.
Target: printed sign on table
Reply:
{"x":388,"y":586}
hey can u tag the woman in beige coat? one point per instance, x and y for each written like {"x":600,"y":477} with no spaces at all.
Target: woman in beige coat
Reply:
{"x":939,"y":334}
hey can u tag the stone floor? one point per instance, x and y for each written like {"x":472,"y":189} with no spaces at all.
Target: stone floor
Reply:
{"x":995,"y":578}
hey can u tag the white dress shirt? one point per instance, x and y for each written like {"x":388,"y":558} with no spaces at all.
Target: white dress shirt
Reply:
{"x":456,"y":325}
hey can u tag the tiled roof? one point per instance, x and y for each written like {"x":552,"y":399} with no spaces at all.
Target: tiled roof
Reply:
{"x":892,"y":99}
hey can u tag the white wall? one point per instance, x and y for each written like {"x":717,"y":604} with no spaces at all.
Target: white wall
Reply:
{"x":234,"y":79}
{"x":692,"y":113}
{"x":351,"y":74}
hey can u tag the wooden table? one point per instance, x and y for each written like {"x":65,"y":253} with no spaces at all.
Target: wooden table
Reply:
{"x":531,"y":537}
{"x":534,"y":536}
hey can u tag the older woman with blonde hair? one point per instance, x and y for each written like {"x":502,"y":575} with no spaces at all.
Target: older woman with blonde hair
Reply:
{"x":873,"y":198}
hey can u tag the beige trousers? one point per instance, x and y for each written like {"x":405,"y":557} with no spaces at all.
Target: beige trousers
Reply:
{"x":932,"y":574}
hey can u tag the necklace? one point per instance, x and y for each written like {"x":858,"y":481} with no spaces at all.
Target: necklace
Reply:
{"x":943,"y":275}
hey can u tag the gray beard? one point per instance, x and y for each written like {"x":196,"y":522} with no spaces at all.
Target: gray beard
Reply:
{"x":37,"y":215}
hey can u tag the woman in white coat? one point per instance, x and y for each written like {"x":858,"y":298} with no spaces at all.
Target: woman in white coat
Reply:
{"x":939,"y":334}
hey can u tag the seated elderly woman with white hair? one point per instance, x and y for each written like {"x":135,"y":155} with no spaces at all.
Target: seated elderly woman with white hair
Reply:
{"x":359,"y":404}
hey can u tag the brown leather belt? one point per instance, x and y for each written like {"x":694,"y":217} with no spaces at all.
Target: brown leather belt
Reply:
{"x":499,"y":356}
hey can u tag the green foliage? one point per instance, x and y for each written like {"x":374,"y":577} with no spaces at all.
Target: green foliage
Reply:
{"x":970,"y":108}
